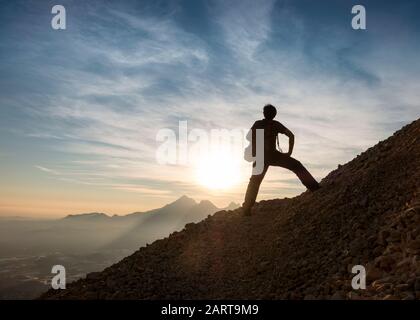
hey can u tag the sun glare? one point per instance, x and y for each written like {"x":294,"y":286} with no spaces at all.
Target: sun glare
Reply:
{"x":220,"y":170}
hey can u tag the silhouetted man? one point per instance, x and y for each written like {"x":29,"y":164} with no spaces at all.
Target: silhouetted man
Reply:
{"x":273,"y":157}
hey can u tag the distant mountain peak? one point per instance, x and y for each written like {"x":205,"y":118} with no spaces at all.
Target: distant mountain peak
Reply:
{"x":232,"y":206}
{"x":91,"y":215}
{"x":206,"y":203}
{"x":184,"y":200}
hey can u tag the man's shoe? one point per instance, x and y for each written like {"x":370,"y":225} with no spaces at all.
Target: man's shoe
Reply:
{"x":246,"y":212}
{"x":315,"y":187}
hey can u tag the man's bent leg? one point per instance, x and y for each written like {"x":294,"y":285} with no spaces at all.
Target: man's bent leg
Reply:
{"x":294,"y":165}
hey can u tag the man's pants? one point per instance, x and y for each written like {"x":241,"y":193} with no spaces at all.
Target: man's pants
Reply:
{"x":278,"y":159}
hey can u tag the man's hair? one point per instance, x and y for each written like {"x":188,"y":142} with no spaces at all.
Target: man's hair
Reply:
{"x":269,"y":111}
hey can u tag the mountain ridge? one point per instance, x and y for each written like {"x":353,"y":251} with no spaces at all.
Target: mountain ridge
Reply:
{"x":183,"y":200}
{"x":367,"y":213}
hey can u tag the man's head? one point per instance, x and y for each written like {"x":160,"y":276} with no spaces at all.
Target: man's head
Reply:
{"x":269,"y":112}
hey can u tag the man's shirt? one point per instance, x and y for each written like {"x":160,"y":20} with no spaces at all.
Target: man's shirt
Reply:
{"x":271,"y":129}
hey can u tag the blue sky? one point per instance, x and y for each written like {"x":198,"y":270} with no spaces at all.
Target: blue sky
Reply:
{"x":80,"y":108}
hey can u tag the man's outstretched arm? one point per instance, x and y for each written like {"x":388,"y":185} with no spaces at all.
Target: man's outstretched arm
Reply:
{"x":251,"y":137}
{"x":291,"y":136}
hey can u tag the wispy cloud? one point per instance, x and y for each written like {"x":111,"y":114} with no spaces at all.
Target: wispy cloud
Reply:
{"x":44,"y":169}
{"x":245,"y":24}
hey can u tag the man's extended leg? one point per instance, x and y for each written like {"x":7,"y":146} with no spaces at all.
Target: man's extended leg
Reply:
{"x":294,"y":165}
{"x":252,"y":191}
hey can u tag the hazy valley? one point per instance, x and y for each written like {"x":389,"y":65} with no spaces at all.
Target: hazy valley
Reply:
{"x":83,"y":243}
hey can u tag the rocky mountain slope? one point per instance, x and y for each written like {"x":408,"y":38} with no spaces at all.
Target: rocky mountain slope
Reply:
{"x":366,"y":213}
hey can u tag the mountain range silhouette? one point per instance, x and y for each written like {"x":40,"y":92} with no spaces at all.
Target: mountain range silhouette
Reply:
{"x":367,"y":213}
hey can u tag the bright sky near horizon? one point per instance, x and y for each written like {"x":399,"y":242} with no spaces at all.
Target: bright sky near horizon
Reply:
{"x":80,"y":108}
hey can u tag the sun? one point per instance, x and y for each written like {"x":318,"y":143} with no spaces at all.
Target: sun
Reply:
{"x":218,"y":170}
